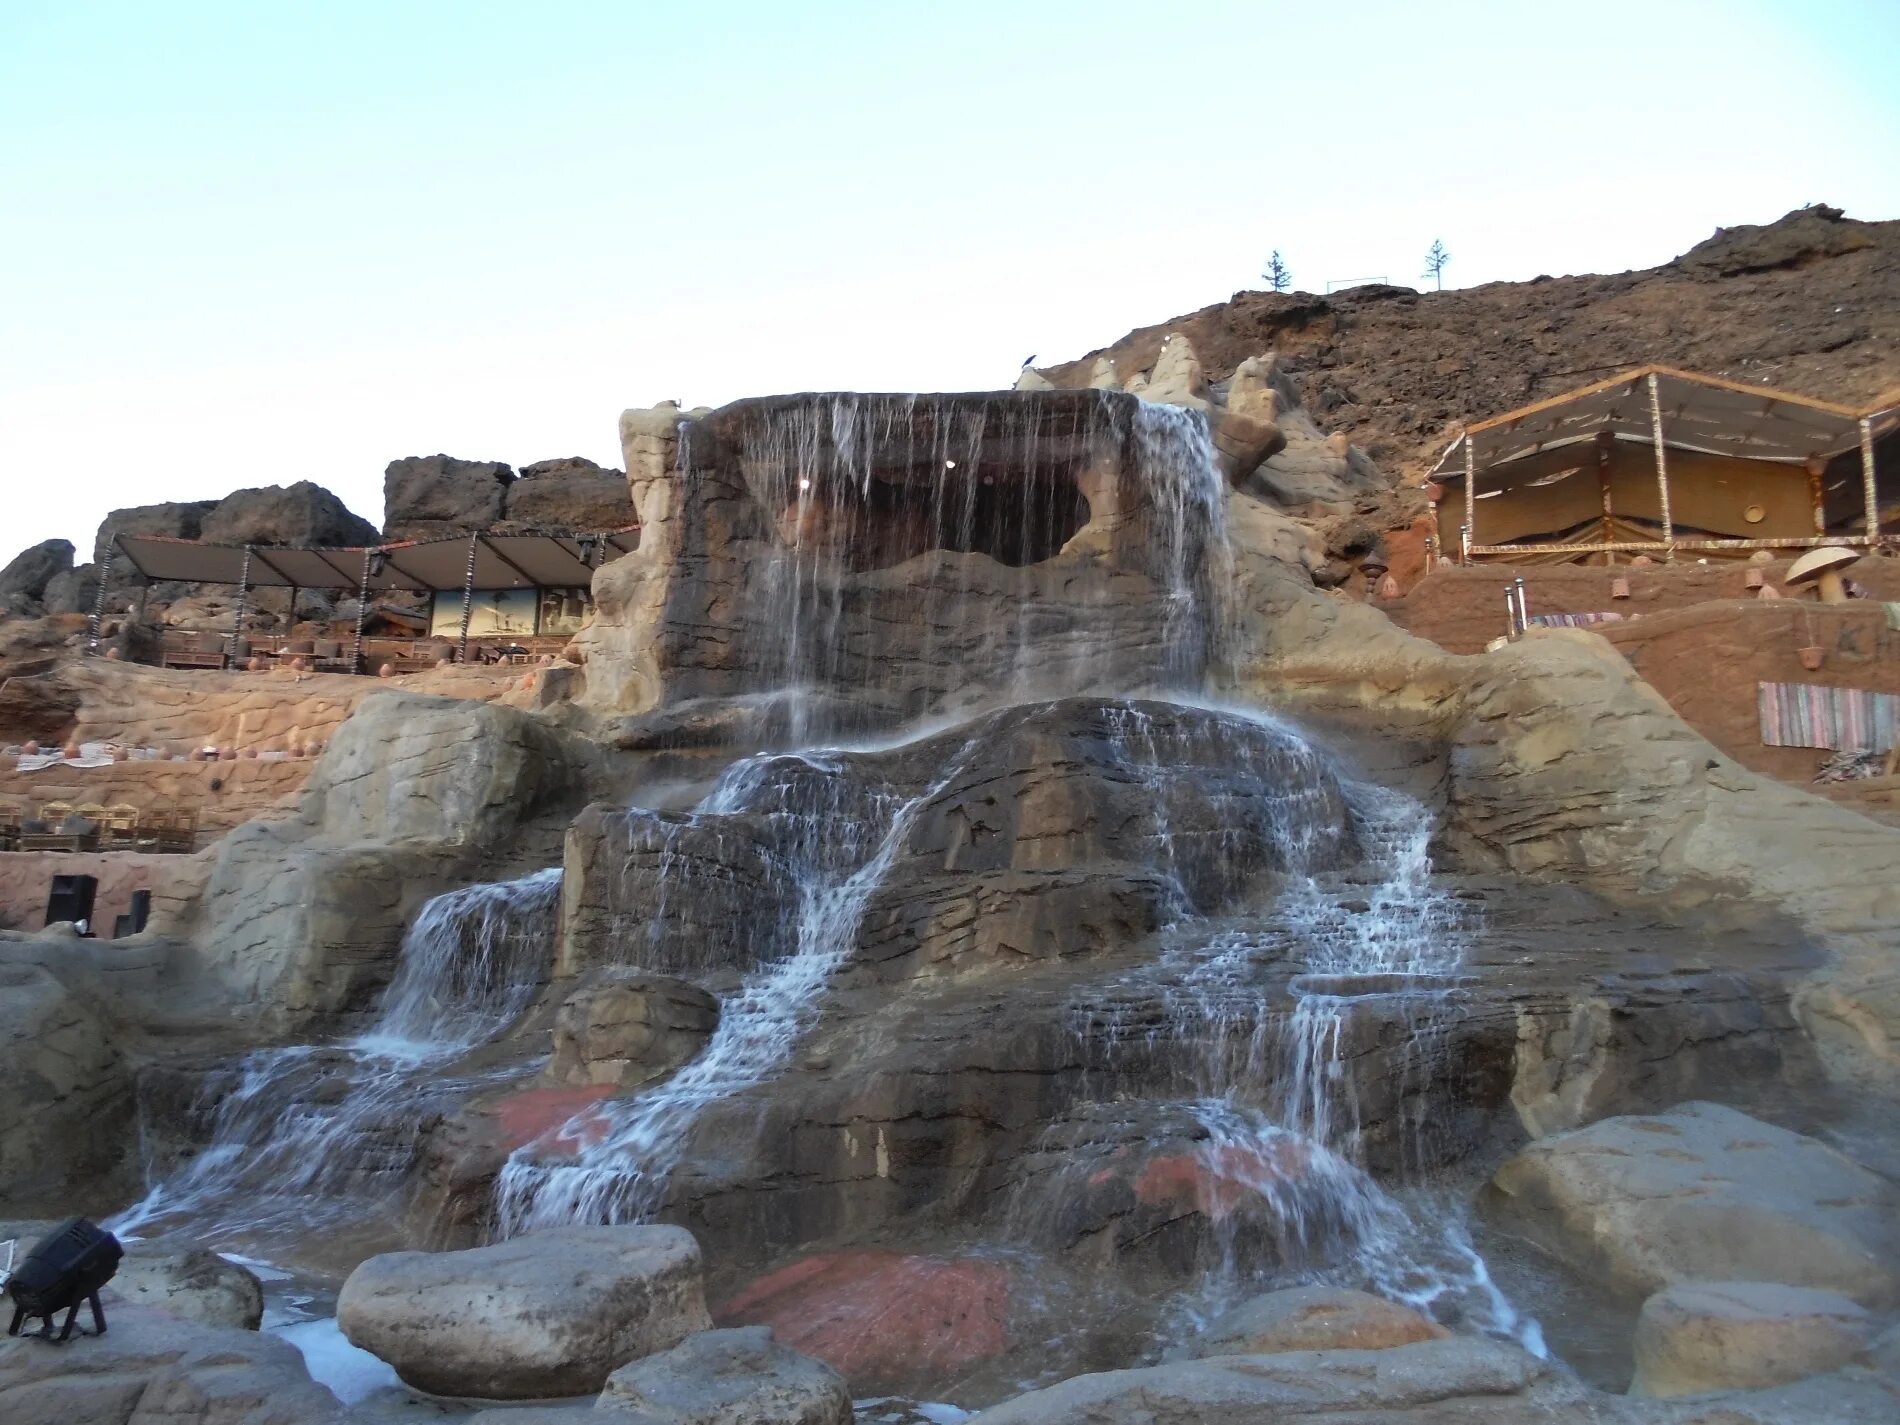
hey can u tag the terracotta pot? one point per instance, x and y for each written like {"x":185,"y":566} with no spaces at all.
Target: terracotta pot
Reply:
{"x":113,"y":653}
{"x":227,"y":754}
{"x":1768,"y":591}
{"x":254,"y":665}
{"x":388,"y":670}
{"x":1813,"y":656}
{"x":1754,"y":579}
{"x":32,"y":749}
{"x":1641,"y":561}
{"x":121,"y":754}
{"x":1619,"y":588}
{"x":71,"y":751}
{"x":1388,"y":587}
{"x":248,"y":752}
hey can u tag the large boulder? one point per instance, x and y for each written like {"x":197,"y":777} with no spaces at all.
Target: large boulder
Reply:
{"x":570,"y":495}
{"x":151,"y":1367}
{"x":24,"y":580}
{"x":66,"y":1106}
{"x":551,"y":1314}
{"x":1704,"y":1192}
{"x":734,"y":1377}
{"x":1314,"y":1318}
{"x":629,"y":1029}
{"x":300,"y":514}
{"x":429,"y":496}
{"x":191,"y":1283}
{"x":1696,"y":1337}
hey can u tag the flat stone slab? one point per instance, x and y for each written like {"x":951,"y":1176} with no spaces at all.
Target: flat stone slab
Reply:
{"x":1706,"y":1336}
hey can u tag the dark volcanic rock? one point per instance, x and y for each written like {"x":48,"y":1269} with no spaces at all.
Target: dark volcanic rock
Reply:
{"x":303,"y":513}
{"x":176,"y":520}
{"x":428,"y":496}
{"x":26,"y":576}
{"x":565,"y":495}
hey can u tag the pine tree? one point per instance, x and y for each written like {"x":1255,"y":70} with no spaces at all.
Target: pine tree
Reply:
{"x":1277,"y":275}
{"x":1435,"y":261}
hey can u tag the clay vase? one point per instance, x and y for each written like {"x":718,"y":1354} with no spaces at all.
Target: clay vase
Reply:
{"x":121,"y":754}
{"x":32,"y":749}
{"x":1619,"y":588}
{"x":227,"y":754}
{"x":1388,"y":587}
{"x":248,"y":752}
{"x":1754,"y":579}
{"x":1642,"y":561}
{"x":1812,"y":657}
{"x":113,"y":653}
{"x":388,"y":670}
{"x":71,"y":752}
{"x":1768,"y":591}
{"x":254,"y":665}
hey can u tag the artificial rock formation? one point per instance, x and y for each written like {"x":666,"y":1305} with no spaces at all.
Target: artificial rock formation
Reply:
{"x":732,"y":1377}
{"x":1697,"y":1337}
{"x":628,"y":1029}
{"x":554,"y":1314}
{"x":1705,"y":1193}
{"x":1314,"y":1318}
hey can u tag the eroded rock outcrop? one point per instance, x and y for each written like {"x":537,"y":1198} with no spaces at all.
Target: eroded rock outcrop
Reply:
{"x":1698,"y":1337}
{"x":732,"y":1377}
{"x":1314,"y":1318}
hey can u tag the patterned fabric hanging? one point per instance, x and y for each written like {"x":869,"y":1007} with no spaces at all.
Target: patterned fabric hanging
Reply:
{"x":1841,"y":719}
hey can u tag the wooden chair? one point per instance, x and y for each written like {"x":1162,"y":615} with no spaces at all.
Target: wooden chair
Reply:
{"x":53,"y":813}
{"x":122,"y":827}
{"x":92,"y":811}
{"x":193,"y":650}
{"x":11,"y":815}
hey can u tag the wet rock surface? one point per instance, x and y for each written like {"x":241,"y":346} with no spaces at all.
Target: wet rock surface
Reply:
{"x":1314,"y":1319}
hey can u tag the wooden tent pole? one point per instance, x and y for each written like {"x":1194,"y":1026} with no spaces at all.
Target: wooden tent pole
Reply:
{"x":1867,"y":477}
{"x":1662,"y":470}
{"x":1471,"y":497}
{"x":468,"y":592}
{"x":237,"y":619}
{"x":99,"y":596}
{"x":1603,"y":485}
{"x":362,"y":612}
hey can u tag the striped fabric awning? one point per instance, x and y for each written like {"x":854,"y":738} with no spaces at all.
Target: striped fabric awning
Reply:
{"x":1841,"y":719}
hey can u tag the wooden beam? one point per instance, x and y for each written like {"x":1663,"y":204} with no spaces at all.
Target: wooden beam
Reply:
{"x":1471,"y":497}
{"x":1650,"y":546}
{"x":1868,"y":495}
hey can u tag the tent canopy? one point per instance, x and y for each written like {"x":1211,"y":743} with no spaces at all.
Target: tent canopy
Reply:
{"x":1699,"y":413}
{"x":502,"y":561}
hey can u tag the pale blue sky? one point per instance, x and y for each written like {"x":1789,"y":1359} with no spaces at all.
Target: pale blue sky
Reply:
{"x":250,"y":243}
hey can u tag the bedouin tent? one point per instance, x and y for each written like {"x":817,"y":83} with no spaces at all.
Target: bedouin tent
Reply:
{"x":467,"y":563}
{"x":1656,"y":461}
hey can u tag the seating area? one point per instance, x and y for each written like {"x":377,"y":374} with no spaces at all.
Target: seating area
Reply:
{"x":89,"y":826}
{"x":183,"y":648}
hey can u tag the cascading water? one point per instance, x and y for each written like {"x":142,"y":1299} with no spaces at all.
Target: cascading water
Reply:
{"x":304,"y":1133}
{"x":1275,"y":1095}
{"x":1012,"y":520}
{"x":834,"y":842}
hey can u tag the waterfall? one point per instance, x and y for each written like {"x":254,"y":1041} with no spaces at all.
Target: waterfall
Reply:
{"x":299,"y":1133}
{"x":836,"y":846}
{"x":981,"y":500}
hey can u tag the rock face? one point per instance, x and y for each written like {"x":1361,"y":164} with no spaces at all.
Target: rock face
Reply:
{"x":551,"y":1314}
{"x":429,"y":496}
{"x":568,"y":495}
{"x":65,"y":1095}
{"x":1696,"y":1337}
{"x":303,"y":513}
{"x":1705,"y":1193}
{"x":303,"y":915}
{"x":885,"y":1320}
{"x":906,"y":552}
{"x":1314,"y":1318}
{"x":192,"y":1284}
{"x":630,"y":1029}
{"x":152,"y":1367}
{"x":735,"y":1377}
{"x":24,"y":580}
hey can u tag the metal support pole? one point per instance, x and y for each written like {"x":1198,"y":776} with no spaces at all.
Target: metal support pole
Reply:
{"x":1662,"y":471}
{"x":1867,"y":477}
{"x":145,"y":587}
{"x":362,"y":612}
{"x":468,"y":593}
{"x":1510,"y":613}
{"x":1471,"y":498}
{"x":290,"y":614}
{"x":99,"y":600}
{"x":237,"y":619}
{"x":1817,"y":493}
{"x":1523,"y":605}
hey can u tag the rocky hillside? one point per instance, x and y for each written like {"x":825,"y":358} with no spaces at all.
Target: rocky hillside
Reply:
{"x":1810,"y":303}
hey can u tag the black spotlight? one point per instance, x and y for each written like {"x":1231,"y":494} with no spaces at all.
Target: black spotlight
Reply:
{"x":67,"y":1266}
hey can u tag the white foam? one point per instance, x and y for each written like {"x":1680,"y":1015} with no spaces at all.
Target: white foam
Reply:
{"x":351,"y":1373}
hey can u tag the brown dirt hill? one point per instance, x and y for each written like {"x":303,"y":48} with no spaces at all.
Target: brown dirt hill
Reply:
{"x":1810,"y":303}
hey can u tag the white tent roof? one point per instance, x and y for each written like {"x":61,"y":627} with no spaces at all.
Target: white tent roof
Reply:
{"x":502,"y":561}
